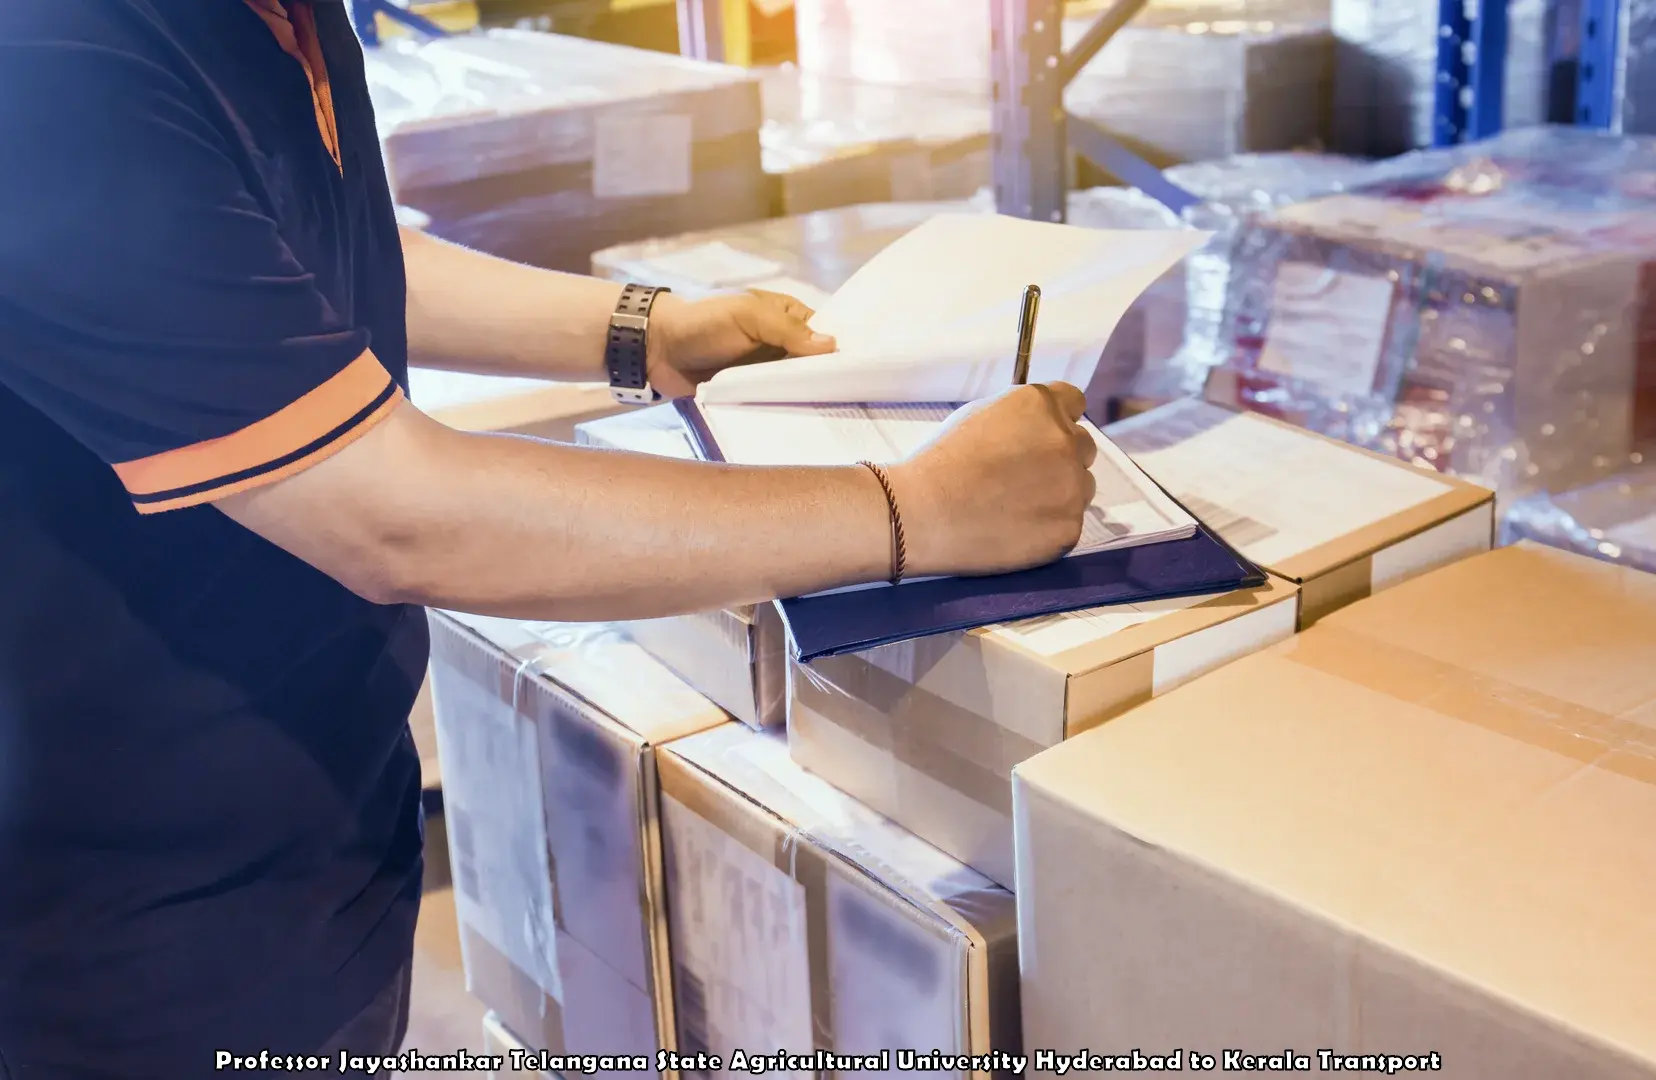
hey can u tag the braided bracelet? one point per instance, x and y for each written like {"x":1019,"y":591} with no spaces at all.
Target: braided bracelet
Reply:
{"x":899,"y":548}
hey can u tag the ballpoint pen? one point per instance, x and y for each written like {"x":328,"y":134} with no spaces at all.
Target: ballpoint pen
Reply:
{"x":1026,"y":333}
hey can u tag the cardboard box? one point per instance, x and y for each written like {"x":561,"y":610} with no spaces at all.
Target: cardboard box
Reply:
{"x":502,"y":1044}
{"x":1423,"y":827}
{"x":542,"y":148}
{"x":829,"y":142}
{"x":548,"y":737}
{"x":737,"y":657}
{"x":803,"y":922}
{"x":1338,"y":521}
{"x":1502,"y":332}
{"x":927,"y":731}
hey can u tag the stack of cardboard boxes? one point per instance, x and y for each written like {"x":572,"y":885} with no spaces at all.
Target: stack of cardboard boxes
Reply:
{"x":1283,"y":818}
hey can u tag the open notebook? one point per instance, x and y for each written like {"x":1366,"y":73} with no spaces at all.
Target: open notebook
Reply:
{"x":933,"y":319}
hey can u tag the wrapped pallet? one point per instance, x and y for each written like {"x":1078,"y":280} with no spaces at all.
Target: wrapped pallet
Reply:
{"x":544,"y":149}
{"x":1186,"y":80}
{"x":1472,"y":313}
{"x":830,"y":141}
{"x":1613,"y":520}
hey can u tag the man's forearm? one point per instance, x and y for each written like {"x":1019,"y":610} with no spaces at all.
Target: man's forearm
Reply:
{"x":475,"y":313}
{"x":518,"y":528}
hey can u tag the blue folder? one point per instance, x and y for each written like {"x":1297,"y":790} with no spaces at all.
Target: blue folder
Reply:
{"x":844,"y":622}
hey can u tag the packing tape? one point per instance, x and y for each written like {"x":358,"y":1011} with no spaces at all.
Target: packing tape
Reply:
{"x":1599,"y":739}
{"x":954,"y":746}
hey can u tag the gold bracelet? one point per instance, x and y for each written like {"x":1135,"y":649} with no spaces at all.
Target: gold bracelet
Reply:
{"x":899,"y":547}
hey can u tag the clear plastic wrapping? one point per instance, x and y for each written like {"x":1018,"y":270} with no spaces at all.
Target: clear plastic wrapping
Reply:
{"x":1485,"y":311}
{"x":1386,"y":72}
{"x":1188,"y":80}
{"x":830,"y":141}
{"x":1614,"y":519}
{"x":545,"y":148}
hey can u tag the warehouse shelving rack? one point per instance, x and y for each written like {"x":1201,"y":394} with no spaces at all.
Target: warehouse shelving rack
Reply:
{"x":1609,"y":83}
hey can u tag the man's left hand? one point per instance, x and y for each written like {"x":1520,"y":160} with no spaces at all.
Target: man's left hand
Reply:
{"x":692,"y":341}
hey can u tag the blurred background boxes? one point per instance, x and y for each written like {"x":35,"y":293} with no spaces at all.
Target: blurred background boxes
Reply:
{"x":927,"y":731}
{"x":544,"y":149}
{"x":1614,"y":519}
{"x":803,"y":921}
{"x":548,"y":737}
{"x":1432,"y":810}
{"x":1476,"y":311}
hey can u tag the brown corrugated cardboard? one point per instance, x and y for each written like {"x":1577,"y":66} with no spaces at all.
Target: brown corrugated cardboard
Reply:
{"x":804,"y":922}
{"x":927,"y":731}
{"x":548,"y":737}
{"x":1338,"y":521}
{"x":1421,"y":827}
{"x":738,"y":658}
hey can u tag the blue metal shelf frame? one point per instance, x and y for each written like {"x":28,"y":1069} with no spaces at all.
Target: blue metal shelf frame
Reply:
{"x":1596,"y":64}
{"x":364,"y":15}
{"x":1032,"y":134}
{"x":1471,"y":71}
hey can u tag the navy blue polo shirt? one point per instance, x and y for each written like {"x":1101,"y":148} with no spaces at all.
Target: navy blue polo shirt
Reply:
{"x":209,"y":798}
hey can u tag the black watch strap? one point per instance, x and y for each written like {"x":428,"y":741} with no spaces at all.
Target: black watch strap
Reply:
{"x":626,"y":353}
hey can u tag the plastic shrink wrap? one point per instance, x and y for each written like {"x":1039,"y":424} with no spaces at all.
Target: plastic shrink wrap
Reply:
{"x":1484,"y":311}
{"x":1614,"y":519}
{"x":830,"y":141}
{"x":1184,"y":80}
{"x":544,"y":149}
{"x":1385,"y":71}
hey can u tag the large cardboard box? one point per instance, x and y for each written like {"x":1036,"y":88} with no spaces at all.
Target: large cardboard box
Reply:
{"x":543,"y":149}
{"x":830,"y":141}
{"x":803,"y":922}
{"x":548,"y":737}
{"x":1338,"y":521}
{"x":737,"y":657}
{"x":927,"y":731}
{"x":1423,"y":827}
{"x":1500,"y":331}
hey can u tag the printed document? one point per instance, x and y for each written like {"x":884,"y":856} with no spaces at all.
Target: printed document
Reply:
{"x":934,"y":316}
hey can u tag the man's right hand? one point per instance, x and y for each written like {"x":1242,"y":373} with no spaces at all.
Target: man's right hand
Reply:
{"x":1005,"y":486}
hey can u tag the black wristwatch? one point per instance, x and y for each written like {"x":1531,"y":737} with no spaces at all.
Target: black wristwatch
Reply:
{"x":626,"y":353}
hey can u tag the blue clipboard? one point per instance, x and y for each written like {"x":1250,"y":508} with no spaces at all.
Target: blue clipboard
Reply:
{"x":846,"y":622}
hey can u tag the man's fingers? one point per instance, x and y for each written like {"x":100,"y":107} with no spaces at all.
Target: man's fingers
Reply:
{"x":792,"y":305}
{"x":771,"y":324}
{"x":1086,"y":447}
{"x":1069,"y":400}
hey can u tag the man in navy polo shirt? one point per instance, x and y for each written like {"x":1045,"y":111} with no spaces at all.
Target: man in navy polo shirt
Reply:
{"x":220,"y":519}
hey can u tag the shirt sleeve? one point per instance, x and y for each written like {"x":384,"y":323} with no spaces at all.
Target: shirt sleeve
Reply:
{"x":148,"y":303}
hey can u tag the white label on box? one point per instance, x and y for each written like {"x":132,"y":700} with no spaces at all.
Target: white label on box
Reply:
{"x":716,"y":265}
{"x":1327,"y":326}
{"x":896,"y":986}
{"x":1271,"y":491}
{"x":1177,"y":662}
{"x":1050,"y":635}
{"x":497,"y":838}
{"x":741,"y":964}
{"x":641,"y":157}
